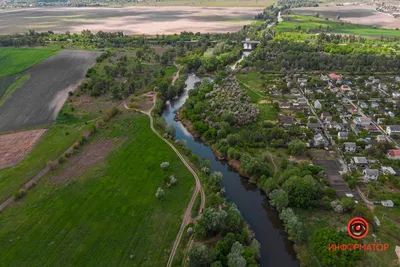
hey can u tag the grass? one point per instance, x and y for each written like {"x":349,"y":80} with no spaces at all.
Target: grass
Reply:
{"x":169,"y":70}
{"x":18,"y":82}
{"x":312,"y":24}
{"x":5,"y":83}
{"x":108,"y":216}
{"x":267,"y":112}
{"x":52,"y":144}
{"x":16,"y":60}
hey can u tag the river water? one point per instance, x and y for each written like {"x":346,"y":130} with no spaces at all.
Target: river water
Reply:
{"x":276,"y":249}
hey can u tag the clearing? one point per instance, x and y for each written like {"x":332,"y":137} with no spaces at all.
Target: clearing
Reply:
{"x":149,"y":20}
{"x":358,"y":14}
{"x":109,"y":215}
{"x":15,"y":146}
{"x":38,"y":101}
{"x":16,"y":60}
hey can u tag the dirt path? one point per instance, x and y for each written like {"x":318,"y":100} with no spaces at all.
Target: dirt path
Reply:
{"x":177,"y":74}
{"x":186,"y":218}
{"x":273,"y":163}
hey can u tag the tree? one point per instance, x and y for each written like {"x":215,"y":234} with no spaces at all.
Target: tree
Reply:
{"x":170,"y":129}
{"x":302,"y":191}
{"x":160,"y":193}
{"x":234,"y":221}
{"x":297,"y":148}
{"x":323,"y":237}
{"x":347,"y":204}
{"x":198,"y":256}
{"x":235,"y":258}
{"x":210,"y":223}
{"x":172,"y":180}
{"x":293,"y":227}
{"x":255,"y":246}
{"x":164,"y":165}
{"x":279,"y":199}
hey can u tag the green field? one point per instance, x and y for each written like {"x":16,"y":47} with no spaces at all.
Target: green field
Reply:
{"x":267,"y":112}
{"x":15,"y":60}
{"x":53,"y":144}
{"x":17,"y":82}
{"x":308,"y":24}
{"x":109,"y":216}
{"x":5,"y":83}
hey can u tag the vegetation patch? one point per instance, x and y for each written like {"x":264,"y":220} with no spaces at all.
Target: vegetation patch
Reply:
{"x":16,"y":60}
{"x":14,"y":86}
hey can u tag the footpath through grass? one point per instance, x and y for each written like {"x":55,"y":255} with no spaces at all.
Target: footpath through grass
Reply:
{"x":109,"y":216}
{"x":16,"y":60}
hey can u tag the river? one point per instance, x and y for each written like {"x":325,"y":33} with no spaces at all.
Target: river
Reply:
{"x":276,"y":249}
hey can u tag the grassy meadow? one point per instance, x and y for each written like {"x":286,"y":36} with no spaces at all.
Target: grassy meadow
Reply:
{"x":109,"y":215}
{"x":16,"y":60}
{"x":297,"y":23}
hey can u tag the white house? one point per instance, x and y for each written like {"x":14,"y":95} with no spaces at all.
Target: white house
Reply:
{"x":370,"y":175}
{"x":387,"y":203}
{"x":362,"y":121}
{"x":350,"y":147}
{"x":317,"y":104}
{"x":393,"y":129}
{"x":343,"y":135}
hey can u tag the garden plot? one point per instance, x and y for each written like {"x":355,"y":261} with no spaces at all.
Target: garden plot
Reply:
{"x":38,"y":101}
{"x":15,"y":146}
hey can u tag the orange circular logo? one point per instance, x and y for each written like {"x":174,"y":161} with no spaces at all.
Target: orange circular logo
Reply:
{"x":357,"y":228}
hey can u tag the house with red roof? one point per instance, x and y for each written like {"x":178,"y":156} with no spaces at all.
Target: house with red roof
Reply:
{"x":394,"y":154}
{"x":334,"y":76}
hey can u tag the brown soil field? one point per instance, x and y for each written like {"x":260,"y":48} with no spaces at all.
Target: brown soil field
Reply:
{"x":131,"y":20}
{"x":358,"y":14}
{"x":15,"y":146}
{"x":38,"y":101}
{"x":92,"y":154}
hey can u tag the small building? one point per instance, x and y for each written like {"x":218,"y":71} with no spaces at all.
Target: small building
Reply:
{"x":388,"y":170}
{"x":387,"y":203}
{"x":362,"y":121}
{"x":315,"y":126}
{"x":334,"y":76}
{"x":343,"y":135}
{"x":302,"y":101}
{"x":249,"y":45}
{"x":284,"y":105}
{"x":324,"y":115}
{"x":360,"y":161}
{"x":320,"y":141}
{"x":345,"y":87}
{"x":350,"y":147}
{"x":317,"y":104}
{"x":370,"y":175}
{"x":286,"y":121}
{"x":382,"y":86}
{"x":396,"y":94}
{"x":393,"y":130}
{"x":381,"y":138}
{"x":393,"y":154}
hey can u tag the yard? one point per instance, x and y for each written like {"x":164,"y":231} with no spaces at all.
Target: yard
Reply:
{"x":109,"y":214}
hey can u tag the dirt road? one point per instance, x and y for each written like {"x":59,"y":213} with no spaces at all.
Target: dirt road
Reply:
{"x":186,"y":218}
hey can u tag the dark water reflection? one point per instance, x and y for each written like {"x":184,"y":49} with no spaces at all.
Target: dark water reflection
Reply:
{"x":276,"y":250}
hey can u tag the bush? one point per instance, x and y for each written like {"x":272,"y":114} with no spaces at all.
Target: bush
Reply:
{"x":61,"y":160}
{"x":51,"y":165}
{"x":18,"y":194}
{"x":112,"y":112}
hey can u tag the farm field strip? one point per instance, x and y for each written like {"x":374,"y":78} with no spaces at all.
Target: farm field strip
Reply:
{"x":111,"y":207}
{"x":16,"y":60}
{"x":38,"y":101}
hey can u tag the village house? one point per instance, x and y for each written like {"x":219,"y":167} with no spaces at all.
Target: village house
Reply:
{"x":324,"y":115}
{"x":343,"y":135}
{"x":345,"y":87}
{"x":350,"y":147}
{"x":286,"y":121}
{"x":374,"y":104}
{"x":320,"y":141}
{"x":317,"y":104}
{"x":362,"y":121}
{"x":387,"y":203}
{"x":302,"y":101}
{"x":362,"y":104}
{"x":315,"y":126}
{"x":388,"y":170}
{"x":360,"y":161}
{"x":372,"y":129}
{"x":381,"y":138}
{"x":370,"y":175}
{"x":335,"y":125}
{"x":382,"y":86}
{"x":334,"y":76}
{"x":393,"y":130}
{"x":393,"y":154}
{"x":375,"y":81}
{"x":380,"y":121}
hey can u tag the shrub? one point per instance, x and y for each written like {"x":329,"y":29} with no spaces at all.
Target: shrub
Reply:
{"x":51,"y":165}
{"x":18,"y":194}
{"x":164,"y":165}
{"x":61,"y":160}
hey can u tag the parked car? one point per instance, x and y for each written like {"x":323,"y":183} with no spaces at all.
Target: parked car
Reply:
{"x":377,"y":202}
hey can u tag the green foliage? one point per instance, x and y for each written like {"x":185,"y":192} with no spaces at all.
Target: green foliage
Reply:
{"x":297,"y":148}
{"x":18,"y":194}
{"x":293,"y":227}
{"x":235,"y":258}
{"x":323,"y":237}
{"x":279,"y":199}
{"x":16,"y":60}
{"x":347,"y":204}
{"x":303,"y":191}
{"x":199,"y":256}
